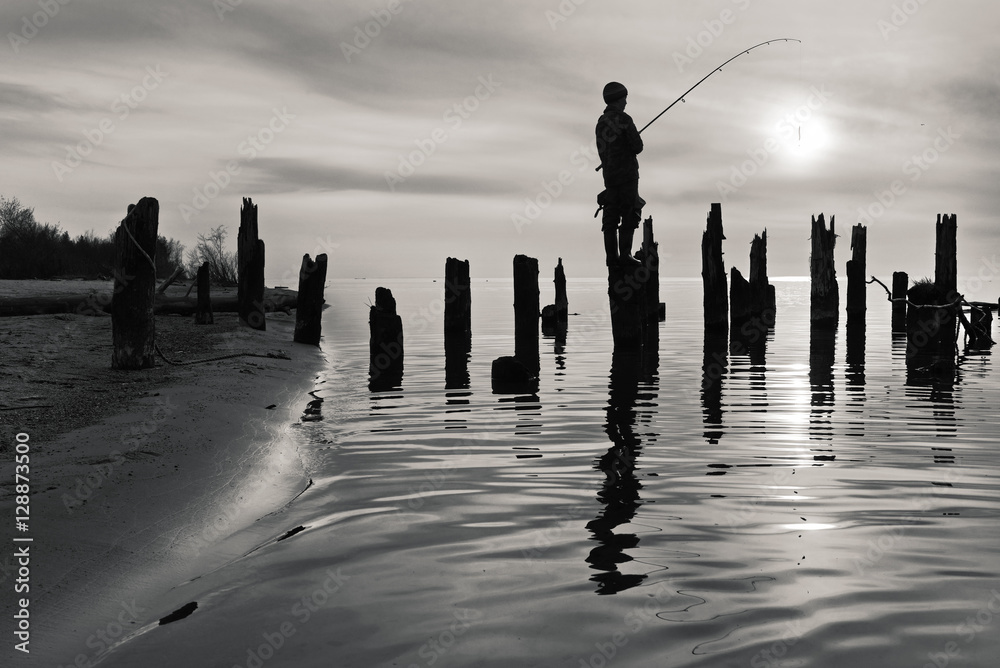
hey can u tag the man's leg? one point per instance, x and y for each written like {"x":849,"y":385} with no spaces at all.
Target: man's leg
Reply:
{"x":609,"y":226}
{"x":630,"y":216}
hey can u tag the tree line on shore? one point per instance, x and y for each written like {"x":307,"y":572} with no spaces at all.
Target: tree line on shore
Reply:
{"x":33,"y":250}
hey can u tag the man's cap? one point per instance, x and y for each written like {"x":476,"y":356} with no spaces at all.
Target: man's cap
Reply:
{"x":614,"y":91}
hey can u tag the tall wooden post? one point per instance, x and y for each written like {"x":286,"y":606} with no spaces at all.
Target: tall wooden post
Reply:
{"x":900,"y":283}
{"x":385,"y":347}
{"x":761,"y":291}
{"x":740,"y":292}
{"x":649,"y":254}
{"x":133,"y":328}
{"x":457,"y":323}
{"x":526,"y":312}
{"x":457,"y":297}
{"x":309,"y":309}
{"x":203,"y":312}
{"x":824,"y":297}
{"x":250,"y":268}
{"x":562,"y":303}
{"x":946,"y":265}
{"x":856,"y":271}
{"x":713,"y":274}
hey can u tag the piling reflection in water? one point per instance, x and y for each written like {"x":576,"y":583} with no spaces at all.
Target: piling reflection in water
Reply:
{"x":619,"y":492}
{"x":854,"y":376}
{"x":714,"y":367}
{"x":822,"y":355}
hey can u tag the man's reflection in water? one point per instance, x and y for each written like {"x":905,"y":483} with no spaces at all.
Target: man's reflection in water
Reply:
{"x":620,"y":491}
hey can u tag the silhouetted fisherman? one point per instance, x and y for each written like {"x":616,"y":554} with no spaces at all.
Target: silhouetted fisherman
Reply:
{"x":618,"y":143}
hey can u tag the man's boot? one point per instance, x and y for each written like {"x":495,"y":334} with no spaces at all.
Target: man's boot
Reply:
{"x":625,"y":234}
{"x":611,"y":245}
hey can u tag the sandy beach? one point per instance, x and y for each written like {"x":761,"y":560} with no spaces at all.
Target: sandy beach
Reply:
{"x":136,"y":477}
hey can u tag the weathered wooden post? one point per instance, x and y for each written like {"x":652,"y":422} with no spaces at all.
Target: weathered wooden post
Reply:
{"x":250,"y":268}
{"x":133,"y":329}
{"x":457,"y":323}
{"x":930,"y":331}
{"x":824,"y":297}
{"x":900,"y":283}
{"x":554,"y":316}
{"x":203,"y":312}
{"x":946,"y":265}
{"x":457,"y":297}
{"x":740,"y":296}
{"x":761,"y":291}
{"x":309,"y":309}
{"x":856,"y":272}
{"x":713,"y":274}
{"x":526,"y":312}
{"x":649,"y":255}
{"x":385,"y":347}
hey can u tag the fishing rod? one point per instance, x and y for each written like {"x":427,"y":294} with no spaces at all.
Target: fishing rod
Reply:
{"x":717,"y":69}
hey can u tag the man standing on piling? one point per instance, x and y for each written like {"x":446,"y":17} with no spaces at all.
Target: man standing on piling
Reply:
{"x":618,"y":144}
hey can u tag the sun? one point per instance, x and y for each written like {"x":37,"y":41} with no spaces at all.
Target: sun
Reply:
{"x":810,"y":141}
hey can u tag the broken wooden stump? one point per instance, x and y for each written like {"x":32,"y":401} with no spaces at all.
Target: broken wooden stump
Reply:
{"x":250,"y":268}
{"x":856,"y":274}
{"x":740,"y":298}
{"x":946,"y":263}
{"x":132,"y":322}
{"x":555,"y":316}
{"x":509,"y":375}
{"x":900,"y":283}
{"x":457,"y":323}
{"x":526,"y":311}
{"x":824,"y":295}
{"x":203,"y":312}
{"x":930,"y":328}
{"x":385,"y":347}
{"x":309,"y":313}
{"x":649,"y":255}
{"x":761,"y":290}
{"x":713,"y":274}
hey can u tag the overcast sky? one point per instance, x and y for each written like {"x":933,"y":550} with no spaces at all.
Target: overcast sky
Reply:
{"x":392,"y":134}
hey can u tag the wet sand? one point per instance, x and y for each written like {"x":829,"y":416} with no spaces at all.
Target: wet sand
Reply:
{"x":138,"y":477}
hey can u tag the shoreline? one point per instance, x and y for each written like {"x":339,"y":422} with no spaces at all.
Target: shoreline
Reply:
{"x":138,"y":477}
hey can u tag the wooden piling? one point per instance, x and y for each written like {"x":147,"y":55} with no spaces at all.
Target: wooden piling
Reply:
{"x":628,"y":302}
{"x":457,"y":297}
{"x":930,"y":332}
{"x":857,"y":272}
{"x":203,"y":311}
{"x":824,"y":297}
{"x":946,"y":263}
{"x":761,"y":291}
{"x":713,"y":274}
{"x":649,"y":255}
{"x":526,"y":311}
{"x":250,"y":268}
{"x":132,"y":321}
{"x":739,"y":300}
{"x":309,"y":312}
{"x":562,"y":303}
{"x":385,"y":369}
{"x":900,"y":283}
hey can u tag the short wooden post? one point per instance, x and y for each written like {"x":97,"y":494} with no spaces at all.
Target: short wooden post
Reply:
{"x":457,"y":296}
{"x":309,"y":309}
{"x":562,"y":303}
{"x":133,"y":328}
{"x":250,"y":268}
{"x":929,"y":342}
{"x":856,"y":272}
{"x":740,"y":293}
{"x":713,"y":274}
{"x":824,"y":297}
{"x":526,"y":312}
{"x":203,"y":312}
{"x":900,"y":283}
{"x":385,"y":347}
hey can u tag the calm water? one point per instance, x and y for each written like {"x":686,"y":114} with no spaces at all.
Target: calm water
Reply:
{"x":802,"y":505}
